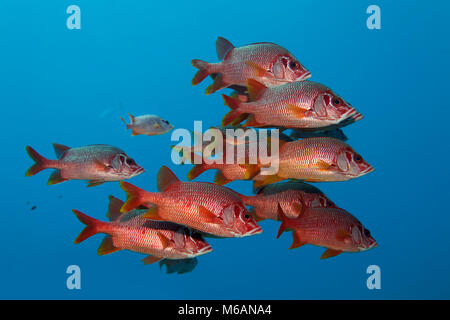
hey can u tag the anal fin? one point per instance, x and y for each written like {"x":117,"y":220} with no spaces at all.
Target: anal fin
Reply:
{"x":107,"y":246}
{"x":151,"y":259}
{"x":330,"y":253}
{"x":55,"y":178}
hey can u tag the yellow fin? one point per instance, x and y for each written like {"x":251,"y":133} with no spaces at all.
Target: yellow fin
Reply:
{"x":330,"y":253}
{"x":220,"y":179}
{"x":259,"y":71}
{"x":107,"y":246}
{"x":296,"y":241}
{"x":151,"y":259}
{"x":296,"y":112}
{"x":152,"y":213}
{"x":266,"y":180}
{"x":323,"y":165}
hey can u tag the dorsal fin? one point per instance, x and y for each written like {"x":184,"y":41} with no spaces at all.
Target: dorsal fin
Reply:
{"x":114,"y":208}
{"x":60,"y":149}
{"x":223,"y":47}
{"x":165,"y":178}
{"x":255,"y":89}
{"x":131,"y":118}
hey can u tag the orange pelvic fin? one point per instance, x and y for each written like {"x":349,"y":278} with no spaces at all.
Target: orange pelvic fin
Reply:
{"x":255,"y":88}
{"x":330,"y":253}
{"x":150,"y":259}
{"x":107,"y":246}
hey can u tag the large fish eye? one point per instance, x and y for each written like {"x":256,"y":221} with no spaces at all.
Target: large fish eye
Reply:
{"x":246,"y":216}
{"x":165,"y":121}
{"x":336,"y":101}
{"x":294,"y":65}
{"x":358,"y":158}
{"x":366,"y":233}
{"x":130,"y":161}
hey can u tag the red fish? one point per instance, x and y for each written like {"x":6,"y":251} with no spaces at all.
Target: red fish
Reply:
{"x":266,"y":62}
{"x":332,"y":228}
{"x":202,"y":206}
{"x":304,"y":105}
{"x":316,"y":160}
{"x":130,"y":231}
{"x":96,"y":163}
{"x":293,"y":198}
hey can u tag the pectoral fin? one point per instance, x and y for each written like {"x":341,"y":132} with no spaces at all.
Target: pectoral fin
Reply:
{"x":323,"y":165}
{"x":207,"y":215}
{"x":151,"y":259}
{"x":330,"y":253}
{"x":296,"y":112}
{"x":257,"y":69}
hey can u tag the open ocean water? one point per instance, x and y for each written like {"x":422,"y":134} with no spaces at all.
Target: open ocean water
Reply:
{"x":72,"y":86}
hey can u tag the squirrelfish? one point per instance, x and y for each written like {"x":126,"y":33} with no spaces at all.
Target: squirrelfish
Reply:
{"x":130,"y":231}
{"x":95,"y":163}
{"x":266,"y":62}
{"x":305,"y":104}
{"x":293,"y":197}
{"x":149,"y":125}
{"x":203,"y":206}
{"x":332,"y":228}
{"x":316,"y":160}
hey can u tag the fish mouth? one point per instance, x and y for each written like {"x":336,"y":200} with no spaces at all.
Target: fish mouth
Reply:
{"x":305,"y":76}
{"x":357,"y":116}
{"x":367,"y":170}
{"x":256,"y":230}
{"x":204,"y":250}
{"x":138,"y":171}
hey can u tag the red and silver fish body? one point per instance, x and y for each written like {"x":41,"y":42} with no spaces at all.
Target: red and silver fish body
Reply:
{"x":292,"y":202}
{"x":130,"y":231}
{"x":317,"y":160}
{"x":302,"y":105}
{"x":203,"y":206}
{"x":332,"y":228}
{"x":266,"y":62}
{"x":95,"y":163}
{"x":150,"y":125}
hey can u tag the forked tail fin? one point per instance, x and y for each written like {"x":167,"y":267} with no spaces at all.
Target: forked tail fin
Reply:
{"x":41,"y":162}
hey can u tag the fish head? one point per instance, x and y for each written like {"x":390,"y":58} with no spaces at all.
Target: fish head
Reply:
{"x":328,"y":105}
{"x":165,"y":125}
{"x":352,"y":164}
{"x":287,"y":68}
{"x":124,"y":166}
{"x":361,"y":238}
{"x":237,"y":218}
{"x":191,"y":242}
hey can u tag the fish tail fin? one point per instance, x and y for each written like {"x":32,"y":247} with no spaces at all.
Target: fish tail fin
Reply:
{"x":41,"y":162}
{"x":284,"y":221}
{"x":235,"y":112}
{"x":195,"y":171}
{"x":134,"y":196}
{"x":202,"y":72}
{"x":126,"y":124}
{"x":92,"y":226}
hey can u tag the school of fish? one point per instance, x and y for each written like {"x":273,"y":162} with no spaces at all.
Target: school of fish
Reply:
{"x":270,"y":90}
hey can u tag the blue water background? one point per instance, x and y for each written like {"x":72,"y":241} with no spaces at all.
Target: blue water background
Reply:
{"x":56,"y":82}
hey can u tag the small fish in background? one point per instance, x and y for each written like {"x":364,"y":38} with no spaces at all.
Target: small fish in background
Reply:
{"x":149,"y":125}
{"x":109,"y":111}
{"x":332,"y":228}
{"x":316,"y":160}
{"x":203,"y":206}
{"x":96,"y":163}
{"x":303,"y":105}
{"x":130,"y":231}
{"x":266,"y":62}
{"x":33,"y":208}
{"x":179,"y":266}
{"x":293,"y":198}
